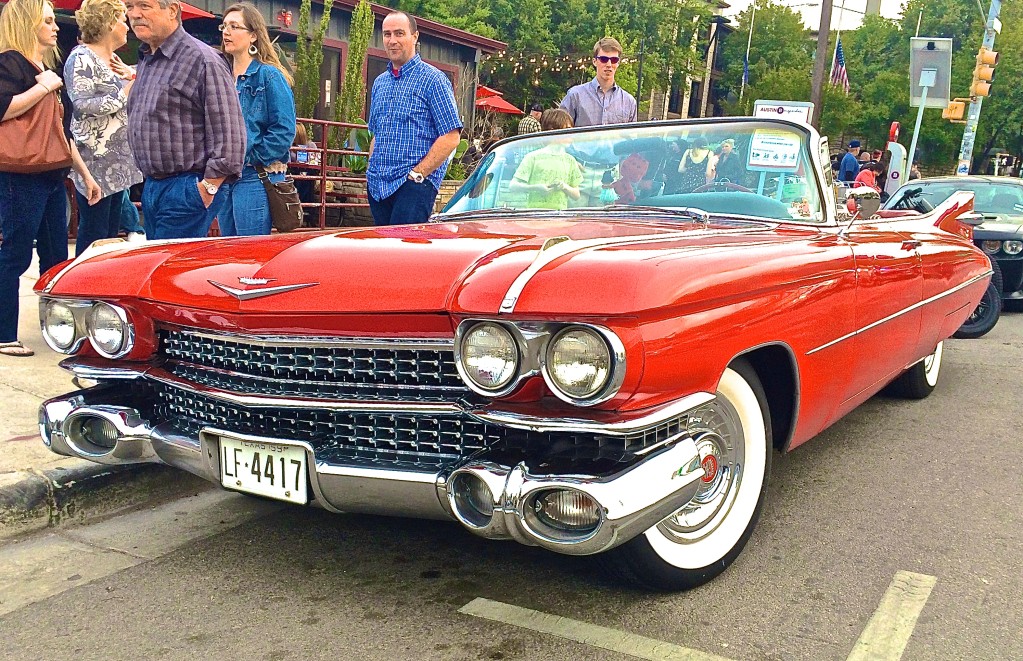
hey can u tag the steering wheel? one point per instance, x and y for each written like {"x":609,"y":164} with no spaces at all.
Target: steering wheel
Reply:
{"x":721,"y":186}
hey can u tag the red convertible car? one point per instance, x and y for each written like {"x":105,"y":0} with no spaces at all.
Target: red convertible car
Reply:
{"x":595,"y":349}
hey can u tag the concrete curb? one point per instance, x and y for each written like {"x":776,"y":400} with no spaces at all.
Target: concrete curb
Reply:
{"x":59,"y":496}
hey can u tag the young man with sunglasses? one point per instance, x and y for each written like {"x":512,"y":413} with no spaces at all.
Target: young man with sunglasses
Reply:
{"x":596,"y":103}
{"x":601,"y":101}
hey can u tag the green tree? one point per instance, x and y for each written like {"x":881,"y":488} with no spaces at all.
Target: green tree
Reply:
{"x":352,"y":97}
{"x":309,"y":57}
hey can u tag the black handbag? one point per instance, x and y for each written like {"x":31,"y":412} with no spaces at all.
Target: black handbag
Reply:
{"x":285,"y":206}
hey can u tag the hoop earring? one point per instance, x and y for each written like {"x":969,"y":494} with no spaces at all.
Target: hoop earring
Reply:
{"x":253,"y":50}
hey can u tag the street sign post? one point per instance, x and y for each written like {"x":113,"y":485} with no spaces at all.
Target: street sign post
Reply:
{"x":993,"y":27}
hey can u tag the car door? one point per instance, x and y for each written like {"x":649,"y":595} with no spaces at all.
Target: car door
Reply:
{"x":888,"y":290}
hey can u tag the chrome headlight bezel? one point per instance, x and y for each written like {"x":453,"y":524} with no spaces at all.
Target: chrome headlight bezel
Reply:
{"x":991,"y":246}
{"x":1012,"y":246}
{"x":127,"y":341}
{"x":610,"y":385}
{"x":77,"y":310}
{"x":515,"y":341}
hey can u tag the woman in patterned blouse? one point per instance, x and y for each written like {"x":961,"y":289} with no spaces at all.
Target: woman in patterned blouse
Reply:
{"x":98,"y":84}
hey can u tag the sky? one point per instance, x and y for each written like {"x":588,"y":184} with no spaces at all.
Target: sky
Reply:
{"x":851,"y":17}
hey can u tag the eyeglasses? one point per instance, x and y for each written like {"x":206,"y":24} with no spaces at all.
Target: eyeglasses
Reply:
{"x":604,"y":59}
{"x":231,"y":27}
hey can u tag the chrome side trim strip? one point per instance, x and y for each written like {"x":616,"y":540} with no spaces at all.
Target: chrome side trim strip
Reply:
{"x":320,"y":341}
{"x":538,"y":424}
{"x":899,"y":313}
{"x":95,"y":373}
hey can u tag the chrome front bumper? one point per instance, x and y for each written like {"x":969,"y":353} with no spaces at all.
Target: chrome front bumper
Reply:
{"x":630,"y":501}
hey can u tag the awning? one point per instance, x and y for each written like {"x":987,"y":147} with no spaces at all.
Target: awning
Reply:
{"x":497,"y":104}
{"x":187,"y":11}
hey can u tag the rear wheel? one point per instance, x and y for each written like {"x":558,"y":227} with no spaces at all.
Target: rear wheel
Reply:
{"x":919,"y":380}
{"x":706,"y":535}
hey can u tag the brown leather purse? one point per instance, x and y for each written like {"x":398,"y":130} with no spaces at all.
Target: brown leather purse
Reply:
{"x":34,"y":141}
{"x":285,"y":207}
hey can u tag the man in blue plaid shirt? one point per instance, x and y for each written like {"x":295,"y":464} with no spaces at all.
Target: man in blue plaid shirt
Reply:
{"x":415,"y":127}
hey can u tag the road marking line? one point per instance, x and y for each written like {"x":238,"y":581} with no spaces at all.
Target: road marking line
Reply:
{"x":583,"y":632}
{"x":888,"y":631}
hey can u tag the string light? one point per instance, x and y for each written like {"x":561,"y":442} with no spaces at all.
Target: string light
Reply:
{"x":536,"y":64}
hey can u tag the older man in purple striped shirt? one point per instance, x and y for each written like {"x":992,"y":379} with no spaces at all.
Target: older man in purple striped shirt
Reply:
{"x":185,"y":124}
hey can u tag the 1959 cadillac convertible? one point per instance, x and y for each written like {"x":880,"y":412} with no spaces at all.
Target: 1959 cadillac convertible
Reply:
{"x":607,"y":379}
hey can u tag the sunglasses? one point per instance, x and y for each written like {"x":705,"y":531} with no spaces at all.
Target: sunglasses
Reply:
{"x":604,"y":59}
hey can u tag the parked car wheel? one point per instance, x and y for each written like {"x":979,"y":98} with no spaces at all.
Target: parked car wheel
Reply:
{"x":918,"y":381}
{"x":984,"y":316}
{"x":703,"y":538}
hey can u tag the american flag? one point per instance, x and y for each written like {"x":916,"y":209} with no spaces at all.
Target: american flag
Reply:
{"x":745,"y":70}
{"x":839,"y":76}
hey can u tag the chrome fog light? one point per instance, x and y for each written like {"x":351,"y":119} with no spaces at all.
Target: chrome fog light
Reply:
{"x":562,"y":511}
{"x":109,"y":331}
{"x":578,"y":363}
{"x":59,"y":329}
{"x":1012,"y":247}
{"x":991,"y":247}
{"x":488,"y":358}
{"x":472,"y":499}
{"x":92,"y":434}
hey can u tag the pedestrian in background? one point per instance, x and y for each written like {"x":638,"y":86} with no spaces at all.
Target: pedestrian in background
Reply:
{"x":850,"y":166}
{"x":729,"y":167}
{"x":601,"y":101}
{"x":268,"y":106}
{"x":549,"y":176}
{"x":531,"y":122}
{"x":33,"y":207}
{"x":914,"y":171}
{"x":868,"y":175}
{"x":185,"y":126}
{"x":415,"y":125}
{"x":98,"y":84}
{"x":696,"y":167}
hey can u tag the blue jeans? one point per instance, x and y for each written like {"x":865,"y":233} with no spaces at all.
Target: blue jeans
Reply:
{"x":173,"y":208}
{"x":33,"y":207}
{"x":247,"y":211}
{"x":410,"y":204}
{"x":99,"y":221}
{"x":130,"y":216}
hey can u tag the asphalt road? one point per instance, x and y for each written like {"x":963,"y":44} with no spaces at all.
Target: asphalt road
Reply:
{"x":895,"y":533}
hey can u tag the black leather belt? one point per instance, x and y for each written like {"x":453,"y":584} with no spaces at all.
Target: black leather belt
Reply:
{"x":597,"y":166}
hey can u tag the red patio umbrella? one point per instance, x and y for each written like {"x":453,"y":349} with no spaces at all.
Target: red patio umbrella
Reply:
{"x":187,"y":11}
{"x":484,"y":92}
{"x":497,"y":104}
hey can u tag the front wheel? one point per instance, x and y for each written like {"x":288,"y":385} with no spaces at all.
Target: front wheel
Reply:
{"x":706,"y":535}
{"x":984,"y":316}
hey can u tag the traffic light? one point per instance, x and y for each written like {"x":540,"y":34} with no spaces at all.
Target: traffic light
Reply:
{"x":955,"y":110}
{"x":984,"y":72}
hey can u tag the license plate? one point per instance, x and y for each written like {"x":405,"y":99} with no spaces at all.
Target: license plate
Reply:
{"x":274,"y":470}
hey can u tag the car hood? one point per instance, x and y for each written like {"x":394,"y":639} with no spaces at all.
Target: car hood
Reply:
{"x":567,"y":266}
{"x":1001,"y":226}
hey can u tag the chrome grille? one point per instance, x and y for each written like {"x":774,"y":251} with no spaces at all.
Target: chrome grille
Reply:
{"x":410,"y":441}
{"x":314,"y":369}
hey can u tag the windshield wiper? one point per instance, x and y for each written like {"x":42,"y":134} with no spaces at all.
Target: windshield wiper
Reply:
{"x":695,"y":213}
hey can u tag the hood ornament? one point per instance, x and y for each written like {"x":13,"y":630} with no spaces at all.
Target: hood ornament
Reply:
{"x":248,"y":294}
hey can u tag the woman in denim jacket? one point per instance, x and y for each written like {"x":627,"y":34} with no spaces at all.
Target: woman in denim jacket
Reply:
{"x":268,"y":105}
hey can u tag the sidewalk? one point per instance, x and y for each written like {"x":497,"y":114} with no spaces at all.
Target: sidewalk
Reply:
{"x":39,"y":488}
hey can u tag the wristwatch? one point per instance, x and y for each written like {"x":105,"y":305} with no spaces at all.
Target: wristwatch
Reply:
{"x":416,"y":177}
{"x":210,"y":188}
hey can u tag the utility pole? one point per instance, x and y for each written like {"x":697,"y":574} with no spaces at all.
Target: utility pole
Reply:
{"x":819,"y":62}
{"x":993,"y":27}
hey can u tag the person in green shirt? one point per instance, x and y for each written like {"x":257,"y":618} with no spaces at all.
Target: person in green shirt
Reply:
{"x":549,"y":176}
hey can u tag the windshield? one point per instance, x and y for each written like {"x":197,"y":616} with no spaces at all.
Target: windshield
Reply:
{"x":989,"y":197}
{"x":758,"y":169}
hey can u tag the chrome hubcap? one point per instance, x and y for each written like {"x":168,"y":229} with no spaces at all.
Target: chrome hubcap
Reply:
{"x":718,"y":435}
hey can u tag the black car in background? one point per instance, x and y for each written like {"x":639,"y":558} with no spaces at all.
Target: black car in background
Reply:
{"x":1000,"y":201}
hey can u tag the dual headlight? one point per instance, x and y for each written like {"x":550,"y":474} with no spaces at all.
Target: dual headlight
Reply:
{"x":1011,"y":247}
{"x":581,"y":364}
{"x":66,"y":324}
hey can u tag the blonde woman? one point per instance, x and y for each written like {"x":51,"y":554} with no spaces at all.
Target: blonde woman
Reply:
{"x":33,"y":207}
{"x":268,"y":106}
{"x":98,"y":84}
